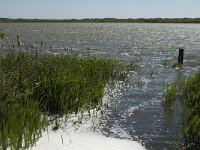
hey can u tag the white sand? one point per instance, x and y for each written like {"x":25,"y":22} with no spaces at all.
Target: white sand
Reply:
{"x":75,"y":136}
{"x":84,"y":141}
{"x":81,"y":137}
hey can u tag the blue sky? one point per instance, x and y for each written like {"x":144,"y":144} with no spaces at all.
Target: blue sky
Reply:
{"x":68,"y":9}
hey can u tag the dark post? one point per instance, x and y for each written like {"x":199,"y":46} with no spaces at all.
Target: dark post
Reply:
{"x":18,"y":42}
{"x":180,"y":56}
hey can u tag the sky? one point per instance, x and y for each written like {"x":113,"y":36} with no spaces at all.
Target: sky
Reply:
{"x":79,"y":9}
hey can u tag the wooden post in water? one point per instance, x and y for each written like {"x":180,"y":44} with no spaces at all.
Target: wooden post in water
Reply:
{"x":180,"y":56}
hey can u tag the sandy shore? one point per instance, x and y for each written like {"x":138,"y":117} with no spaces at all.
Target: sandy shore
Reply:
{"x":76,"y":136}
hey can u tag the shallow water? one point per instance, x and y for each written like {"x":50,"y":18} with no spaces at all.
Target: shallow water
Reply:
{"x":137,"y":111}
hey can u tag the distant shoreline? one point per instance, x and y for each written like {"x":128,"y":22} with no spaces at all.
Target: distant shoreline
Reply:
{"x":107,"y":20}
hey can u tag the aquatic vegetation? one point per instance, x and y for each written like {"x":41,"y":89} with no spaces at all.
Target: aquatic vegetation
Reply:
{"x":34,"y":86}
{"x":21,"y":125}
{"x":192,"y":103}
{"x":1,"y":34}
{"x":190,"y":90}
{"x":170,"y":95}
{"x":178,"y":65}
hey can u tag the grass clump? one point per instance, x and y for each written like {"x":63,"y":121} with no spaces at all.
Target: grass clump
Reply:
{"x":21,"y":126}
{"x":32,"y":85}
{"x":1,"y":34}
{"x":192,"y":102}
{"x":170,"y":95}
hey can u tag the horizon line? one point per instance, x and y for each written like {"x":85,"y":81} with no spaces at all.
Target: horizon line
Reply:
{"x":100,"y":18}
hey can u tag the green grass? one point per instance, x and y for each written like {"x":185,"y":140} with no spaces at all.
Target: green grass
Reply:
{"x":191,"y":103}
{"x":1,"y":34}
{"x":34,"y":85}
{"x":170,"y":95}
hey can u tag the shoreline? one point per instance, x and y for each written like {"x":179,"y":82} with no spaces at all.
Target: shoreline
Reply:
{"x":81,"y":136}
{"x":104,"y":20}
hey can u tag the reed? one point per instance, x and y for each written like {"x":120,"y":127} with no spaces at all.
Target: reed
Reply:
{"x":1,"y":34}
{"x":34,"y":86}
{"x":170,"y":95}
{"x":191,"y":103}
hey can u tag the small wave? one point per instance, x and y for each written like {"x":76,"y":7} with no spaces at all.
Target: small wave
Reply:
{"x":138,"y":107}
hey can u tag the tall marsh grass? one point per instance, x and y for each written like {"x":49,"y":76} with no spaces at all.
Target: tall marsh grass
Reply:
{"x":33,"y":86}
{"x":1,"y":34}
{"x":170,"y":95}
{"x":191,"y":103}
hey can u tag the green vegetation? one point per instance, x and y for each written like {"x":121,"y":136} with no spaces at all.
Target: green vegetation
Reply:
{"x":129,"y":20}
{"x":1,"y":34}
{"x":170,"y":95}
{"x":34,"y":87}
{"x":191,"y":101}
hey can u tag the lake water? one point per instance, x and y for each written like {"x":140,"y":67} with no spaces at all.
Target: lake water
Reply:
{"x":137,"y":111}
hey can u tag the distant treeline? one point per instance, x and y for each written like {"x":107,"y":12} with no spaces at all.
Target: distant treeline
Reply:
{"x":129,"y":20}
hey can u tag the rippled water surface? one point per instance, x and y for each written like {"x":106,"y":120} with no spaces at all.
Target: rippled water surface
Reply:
{"x":136,"y":112}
